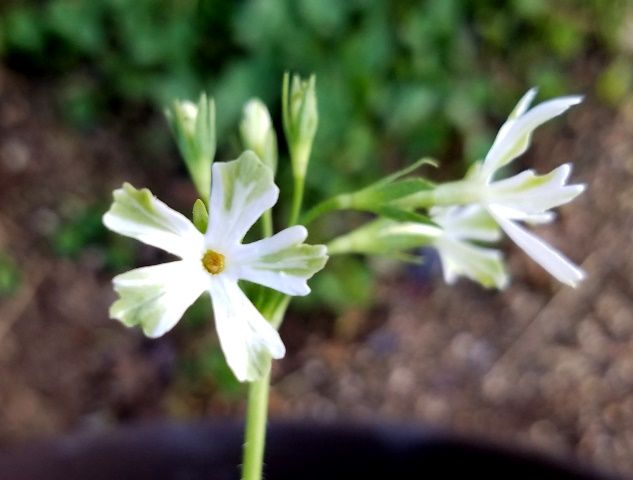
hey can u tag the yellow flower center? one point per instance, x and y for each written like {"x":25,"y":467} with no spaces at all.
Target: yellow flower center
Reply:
{"x":213,"y":262}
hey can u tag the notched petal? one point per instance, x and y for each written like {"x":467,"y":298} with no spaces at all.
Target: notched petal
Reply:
{"x":482,"y":265}
{"x":471,"y":222}
{"x":515,"y":135}
{"x":534,"y":194}
{"x":282,"y":262}
{"x":156,"y":297}
{"x":139,"y":214}
{"x":242,"y":190}
{"x":246,"y":337}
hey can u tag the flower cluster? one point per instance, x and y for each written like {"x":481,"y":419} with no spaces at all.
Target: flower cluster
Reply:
{"x":461,"y":219}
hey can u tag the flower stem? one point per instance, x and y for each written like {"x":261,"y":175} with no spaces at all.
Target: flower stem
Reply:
{"x":267,"y":224}
{"x":297,"y":200}
{"x":255,"y":435}
{"x":257,"y":410}
{"x":339,"y":202}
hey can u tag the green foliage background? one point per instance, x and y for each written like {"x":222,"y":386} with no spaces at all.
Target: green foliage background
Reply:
{"x":395,"y":77}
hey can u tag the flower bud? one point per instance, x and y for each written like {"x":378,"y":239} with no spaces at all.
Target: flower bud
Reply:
{"x":258,"y":134}
{"x":300,"y":118}
{"x":193,"y":126}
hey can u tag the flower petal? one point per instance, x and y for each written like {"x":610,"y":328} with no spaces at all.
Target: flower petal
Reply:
{"x":514,"y":137}
{"x":138,"y":214}
{"x":247,"y":339}
{"x":535,"y":194}
{"x":520,"y":108}
{"x":242,"y":190}
{"x":281,"y":262}
{"x":515,"y":214}
{"x":471,"y":222}
{"x":482,"y":265}
{"x":523,"y":104}
{"x":559,"y":266}
{"x":156,"y":297}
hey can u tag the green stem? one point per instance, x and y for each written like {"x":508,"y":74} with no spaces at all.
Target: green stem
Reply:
{"x":267,"y":224}
{"x":257,"y":410}
{"x":297,"y":200}
{"x":340,"y":202}
{"x":255,"y":435}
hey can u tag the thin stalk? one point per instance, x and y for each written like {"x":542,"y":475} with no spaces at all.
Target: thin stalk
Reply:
{"x":267,"y":224}
{"x":255,"y":435}
{"x":340,"y":202}
{"x":297,"y":200}
{"x":257,"y":409}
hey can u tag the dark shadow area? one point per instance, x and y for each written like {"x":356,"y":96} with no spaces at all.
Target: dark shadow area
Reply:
{"x":212,"y":451}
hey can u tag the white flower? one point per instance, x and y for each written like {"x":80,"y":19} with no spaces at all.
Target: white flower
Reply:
{"x":156,"y":297}
{"x":461,"y":226}
{"x":527,"y":197}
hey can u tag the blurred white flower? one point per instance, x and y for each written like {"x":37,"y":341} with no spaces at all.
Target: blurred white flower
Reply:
{"x":455,"y":233}
{"x":461,"y":226}
{"x":156,"y":297}
{"x":527,"y":197}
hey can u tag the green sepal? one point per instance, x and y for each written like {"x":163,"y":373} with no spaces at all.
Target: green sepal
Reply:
{"x":385,"y":237}
{"x":200,"y":216}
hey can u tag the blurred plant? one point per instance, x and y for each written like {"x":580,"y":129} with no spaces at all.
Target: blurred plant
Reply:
{"x":525,"y":197}
{"x":85,"y":229}
{"x":388,"y":66}
{"x":9,"y":275}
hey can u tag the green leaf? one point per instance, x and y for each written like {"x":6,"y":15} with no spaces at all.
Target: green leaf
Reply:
{"x":406,"y":171}
{"x":383,"y":194}
{"x":402,"y":215}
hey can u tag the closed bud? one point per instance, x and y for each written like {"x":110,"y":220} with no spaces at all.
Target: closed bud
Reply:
{"x":193,"y":126}
{"x":258,"y":134}
{"x":301,"y":118}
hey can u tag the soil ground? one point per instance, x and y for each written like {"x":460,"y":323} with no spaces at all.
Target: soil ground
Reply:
{"x":538,"y":364}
